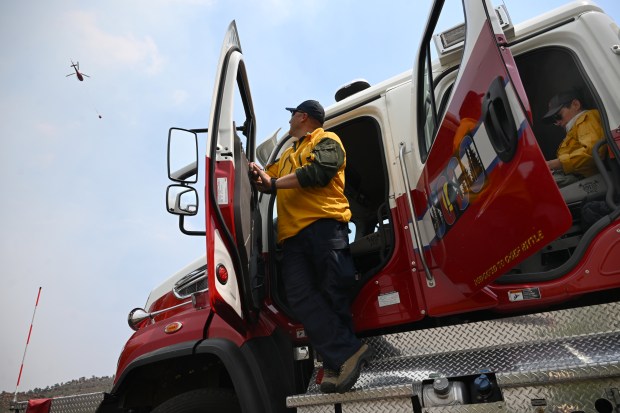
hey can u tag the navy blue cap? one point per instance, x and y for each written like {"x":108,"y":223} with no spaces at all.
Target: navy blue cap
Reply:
{"x":312,"y":108}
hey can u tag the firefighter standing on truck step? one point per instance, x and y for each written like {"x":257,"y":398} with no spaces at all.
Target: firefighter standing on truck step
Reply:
{"x":313,"y":216}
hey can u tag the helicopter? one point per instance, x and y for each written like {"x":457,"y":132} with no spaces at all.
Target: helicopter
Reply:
{"x":80,"y":76}
{"x":76,"y":67}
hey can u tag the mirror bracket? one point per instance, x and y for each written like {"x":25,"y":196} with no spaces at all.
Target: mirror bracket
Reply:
{"x":187,"y":231}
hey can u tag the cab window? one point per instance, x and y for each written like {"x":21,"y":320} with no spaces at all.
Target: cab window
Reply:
{"x":439,"y":52}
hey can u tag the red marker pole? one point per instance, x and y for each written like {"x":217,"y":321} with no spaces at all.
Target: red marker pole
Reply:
{"x":21,"y":368}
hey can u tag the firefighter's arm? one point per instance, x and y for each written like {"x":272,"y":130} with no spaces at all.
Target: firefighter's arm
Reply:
{"x":575,"y":161}
{"x":579,"y":159}
{"x":266,"y":182}
{"x":326,"y":159}
{"x":287,"y":182}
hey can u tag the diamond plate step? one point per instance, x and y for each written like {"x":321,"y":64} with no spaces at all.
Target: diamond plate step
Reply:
{"x":546,"y":349}
{"x":79,"y":403}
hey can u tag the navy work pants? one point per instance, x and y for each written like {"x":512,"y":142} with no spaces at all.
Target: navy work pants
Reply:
{"x":318,"y":274}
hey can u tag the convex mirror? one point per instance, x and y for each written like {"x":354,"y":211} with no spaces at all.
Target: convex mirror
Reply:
{"x":182,"y":200}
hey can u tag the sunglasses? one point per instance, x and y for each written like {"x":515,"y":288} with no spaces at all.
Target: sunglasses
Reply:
{"x":558,"y":116}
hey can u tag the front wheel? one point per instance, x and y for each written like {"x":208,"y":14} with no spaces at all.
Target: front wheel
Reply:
{"x":201,"y":401}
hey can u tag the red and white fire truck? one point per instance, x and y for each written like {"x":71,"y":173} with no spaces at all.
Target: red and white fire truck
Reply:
{"x":482,"y":286}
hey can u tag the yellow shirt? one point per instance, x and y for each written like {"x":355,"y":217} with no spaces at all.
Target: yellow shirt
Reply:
{"x":575,"y":151}
{"x":300,"y":207}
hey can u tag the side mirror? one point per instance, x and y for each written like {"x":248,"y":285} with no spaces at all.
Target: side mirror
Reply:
{"x":182,"y":156}
{"x":181,"y":200}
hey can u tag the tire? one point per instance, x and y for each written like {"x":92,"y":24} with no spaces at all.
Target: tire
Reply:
{"x":201,"y":401}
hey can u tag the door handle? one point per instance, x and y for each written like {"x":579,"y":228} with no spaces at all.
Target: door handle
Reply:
{"x":499,"y":121}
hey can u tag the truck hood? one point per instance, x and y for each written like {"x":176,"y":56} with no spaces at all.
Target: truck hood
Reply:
{"x":167,"y":286}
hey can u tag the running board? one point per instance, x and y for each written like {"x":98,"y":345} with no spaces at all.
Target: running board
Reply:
{"x":567,"y":360}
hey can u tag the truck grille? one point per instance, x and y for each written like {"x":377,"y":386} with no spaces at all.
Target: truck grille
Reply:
{"x":195,"y":281}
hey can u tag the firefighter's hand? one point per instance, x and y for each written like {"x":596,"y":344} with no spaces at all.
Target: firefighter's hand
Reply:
{"x":554,"y":164}
{"x":261,"y":180}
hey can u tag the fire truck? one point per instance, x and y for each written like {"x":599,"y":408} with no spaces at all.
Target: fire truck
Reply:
{"x":482,"y":286}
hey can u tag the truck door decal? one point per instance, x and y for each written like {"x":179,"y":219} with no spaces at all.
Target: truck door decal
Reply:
{"x":466,"y":175}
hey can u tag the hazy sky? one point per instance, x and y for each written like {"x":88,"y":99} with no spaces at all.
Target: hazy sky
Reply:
{"x":83,"y":213}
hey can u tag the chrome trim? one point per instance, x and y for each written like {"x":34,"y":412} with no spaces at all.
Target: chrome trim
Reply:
{"x":137,"y":315}
{"x":190,"y":284}
{"x":430,"y":281}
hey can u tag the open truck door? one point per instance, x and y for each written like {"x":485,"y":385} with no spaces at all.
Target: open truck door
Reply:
{"x":485,"y":199}
{"x":231,"y":201}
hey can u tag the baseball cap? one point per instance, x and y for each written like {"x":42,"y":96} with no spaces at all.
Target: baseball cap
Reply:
{"x":312,"y":108}
{"x":559,"y":101}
